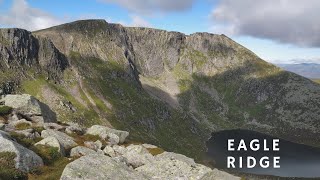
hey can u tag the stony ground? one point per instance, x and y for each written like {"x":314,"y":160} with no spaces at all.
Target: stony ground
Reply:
{"x":34,"y":146}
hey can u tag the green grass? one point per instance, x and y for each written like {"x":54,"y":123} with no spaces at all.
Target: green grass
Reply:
{"x":48,"y":154}
{"x":26,"y":142}
{"x":5,"y":110}
{"x":84,"y":115}
{"x":54,"y":163}
{"x":80,"y":139}
{"x":155,"y":151}
{"x":7,"y":167}
{"x":155,"y":123}
{"x":52,"y":172}
{"x":23,"y":126}
{"x":33,"y":87}
{"x":317,"y":80}
{"x":198,"y":58}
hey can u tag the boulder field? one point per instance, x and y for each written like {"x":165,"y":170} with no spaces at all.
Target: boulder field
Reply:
{"x":97,"y":152}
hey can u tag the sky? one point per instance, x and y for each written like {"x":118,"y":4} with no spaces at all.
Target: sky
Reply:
{"x":279,"y":31}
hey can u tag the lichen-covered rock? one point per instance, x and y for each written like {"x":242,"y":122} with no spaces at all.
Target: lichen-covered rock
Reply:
{"x":113,"y":139}
{"x":52,"y":142}
{"x":103,"y":130}
{"x":175,"y":156}
{"x":138,"y":155}
{"x":98,"y":167}
{"x":25,"y":159}
{"x":5,"y":135}
{"x":173,"y":169}
{"x":97,"y":145}
{"x":219,"y":175}
{"x":66,"y":141}
{"x":74,"y":128}
{"x":119,"y":150}
{"x":108,"y":150}
{"x":29,"y":106}
{"x":81,"y":151}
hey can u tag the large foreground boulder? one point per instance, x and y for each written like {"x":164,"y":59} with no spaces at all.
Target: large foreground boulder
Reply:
{"x":81,"y":151}
{"x":26,"y":159}
{"x":171,"y":156}
{"x":97,"y":167}
{"x":104,"y":131}
{"x":31,"y":107}
{"x":66,"y":141}
{"x":219,"y":175}
{"x":173,"y":169}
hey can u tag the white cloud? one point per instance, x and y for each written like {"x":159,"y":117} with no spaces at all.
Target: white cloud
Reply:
{"x":153,"y":6}
{"x":21,"y":15}
{"x":138,"y":21}
{"x":286,"y":21}
{"x":135,"y":21}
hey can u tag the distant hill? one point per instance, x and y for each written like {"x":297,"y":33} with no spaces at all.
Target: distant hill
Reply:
{"x":309,"y":70}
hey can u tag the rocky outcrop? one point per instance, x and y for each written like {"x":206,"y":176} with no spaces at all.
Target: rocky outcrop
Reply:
{"x":173,"y":169}
{"x":106,"y":132}
{"x":115,"y":161}
{"x":216,"y":174}
{"x":30,"y":107}
{"x":66,"y":141}
{"x":19,"y":47}
{"x":26,"y":160}
{"x":97,"y":166}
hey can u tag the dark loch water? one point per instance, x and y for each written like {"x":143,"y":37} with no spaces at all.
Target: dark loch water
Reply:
{"x":296,"y":160}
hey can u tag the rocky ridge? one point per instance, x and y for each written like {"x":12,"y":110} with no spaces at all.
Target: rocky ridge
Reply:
{"x":166,"y":88}
{"x":89,"y":159}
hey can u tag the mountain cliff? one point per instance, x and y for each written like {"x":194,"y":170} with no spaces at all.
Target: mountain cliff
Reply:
{"x":165,"y":88}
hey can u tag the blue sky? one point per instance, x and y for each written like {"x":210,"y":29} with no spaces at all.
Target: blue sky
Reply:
{"x":281,"y":31}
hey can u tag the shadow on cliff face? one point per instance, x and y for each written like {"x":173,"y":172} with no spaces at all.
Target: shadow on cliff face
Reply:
{"x":247,"y":97}
{"x":257,"y":96}
{"x":48,"y":115}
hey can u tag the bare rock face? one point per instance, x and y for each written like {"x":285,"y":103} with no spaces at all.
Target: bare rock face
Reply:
{"x":25,"y":159}
{"x":97,"y":166}
{"x":19,"y":47}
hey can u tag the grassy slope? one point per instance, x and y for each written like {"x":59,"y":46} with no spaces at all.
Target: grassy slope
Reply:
{"x":147,"y":119}
{"x":132,"y":109}
{"x":317,"y":80}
